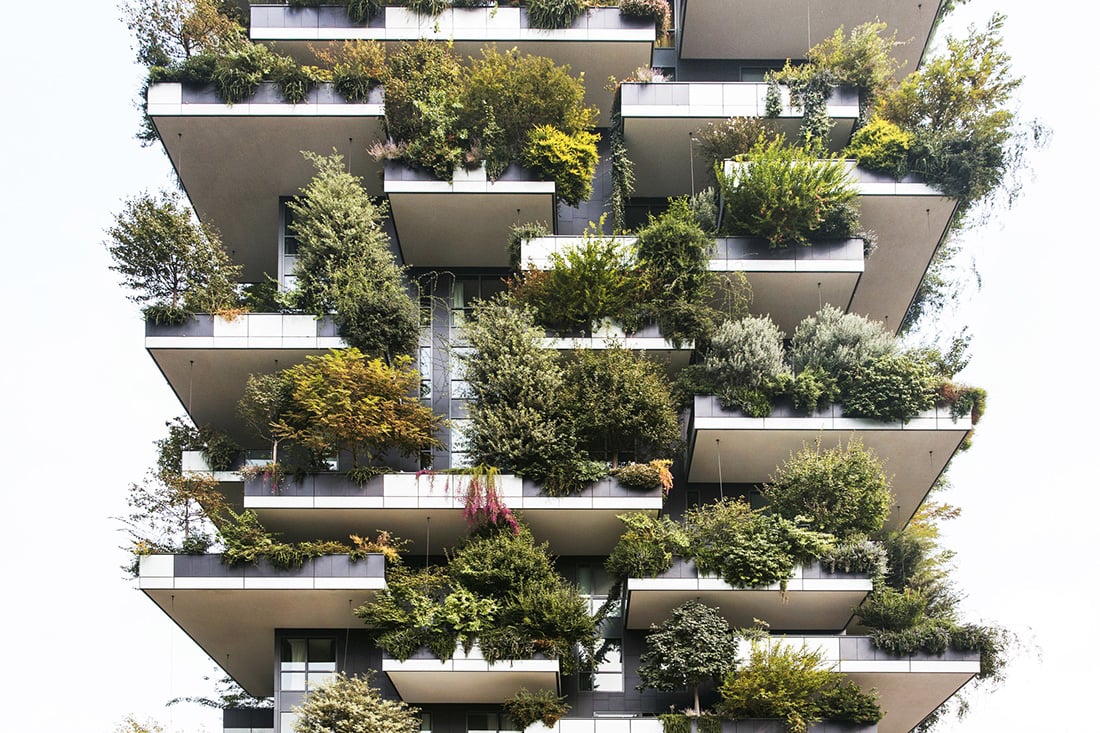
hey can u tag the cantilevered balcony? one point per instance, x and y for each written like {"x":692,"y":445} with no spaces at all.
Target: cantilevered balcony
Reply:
{"x":232,"y":612}
{"x":785,"y":29}
{"x":908,"y":219}
{"x":235,"y":161}
{"x":909,"y":687}
{"x":464,"y":222}
{"x":787,"y":283}
{"x":728,"y":446}
{"x":427,"y":510}
{"x":467,"y":678}
{"x":814,"y":600}
{"x":600,"y":43}
{"x":208,"y":359}
{"x":660,"y":118}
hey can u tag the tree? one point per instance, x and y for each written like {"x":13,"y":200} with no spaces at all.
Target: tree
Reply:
{"x":619,"y":401}
{"x":345,"y":266}
{"x":345,"y":401}
{"x":168,"y":259}
{"x":166,"y":31}
{"x":955,"y":105}
{"x":266,"y":398}
{"x":694,"y":646}
{"x":844,"y":490}
{"x":517,"y":416}
{"x":131,"y":724}
{"x":350,"y":705}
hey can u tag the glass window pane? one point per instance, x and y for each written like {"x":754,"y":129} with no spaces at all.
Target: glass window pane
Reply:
{"x":294,"y":650}
{"x":322,"y":650}
{"x":425,"y":722}
{"x":293,"y":681}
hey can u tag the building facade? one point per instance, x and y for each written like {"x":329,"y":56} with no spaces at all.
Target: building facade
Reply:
{"x":276,"y":631}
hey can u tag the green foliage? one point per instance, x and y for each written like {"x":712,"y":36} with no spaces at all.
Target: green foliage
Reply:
{"x":848,"y":702}
{"x":526,"y":708}
{"x":675,"y":252}
{"x":675,"y":723}
{"x":350,"y":705}
{"x":622,"y":172}
{"x":813,"y":389}
{"x":170,"y":513}
{"x":551,"y":14}
{"x":517,"y":93}
{"x":646,"y":476}
{"x":843,"y":491}
{"x":657,"y":10}
{"x":427,"y":7}
{"x":130,"y":724}
{"x":890,"y":388}
{"x":584,"y":284}
{"x":423,"y":83}
{"x":520,"y":234}
{"x":748,"y":548}
{"x":619,"y":401}
{"x":517,"y":420}
{"x":955,"y":105}
{"x":809,"y":87}
{"x":786,"y":195}
{"x":361,"y":11}
{"x":167,"y":31}
{"x":646,"y":548}
{"x":172,"y":263}
{"x":238,"y":73}
{"x":266,"y":398}
{"x":795,"y":686}
{"x":500,"y":563}
{"x":881,"y":146}
{"x":499,"y":588}
{"x":837,"y":342}
{"x":778,"y":682}
{"x":857,"y":556}
{"x":343,"y":401}
{"x":864,"y":59}
{"x":745,"y":354}
{"x":357,"y":67}
{"x":720,"y":141}
{"x":568,"y":159}
{"x":889,"y":610}
{"x":694,"y":646}
{"x":345,"y":265}
{"x":444,"y":114}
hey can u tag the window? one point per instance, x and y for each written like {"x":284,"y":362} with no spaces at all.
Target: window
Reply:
{"x":488,"y":723}
{"x":607,"y":675}
{"x":306,"y":663}
{"x":288,"y":247}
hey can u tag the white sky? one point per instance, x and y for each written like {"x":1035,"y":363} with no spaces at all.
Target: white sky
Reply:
{"x":82,"y":400}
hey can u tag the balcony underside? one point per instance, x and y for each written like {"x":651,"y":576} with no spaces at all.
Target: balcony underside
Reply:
{"x":208,"y":361}
{"x":233,"y":617}
{"x":464,"y":223}
{"x":235,"y":162}
{"x":745,"y":450}
{"x":909,"y":687}
{"x":910,"y":219}
{"x":469,"y":679}
{"x":808,"y":605}
{"x":788,"y":297}
{"x":780,"y":29}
